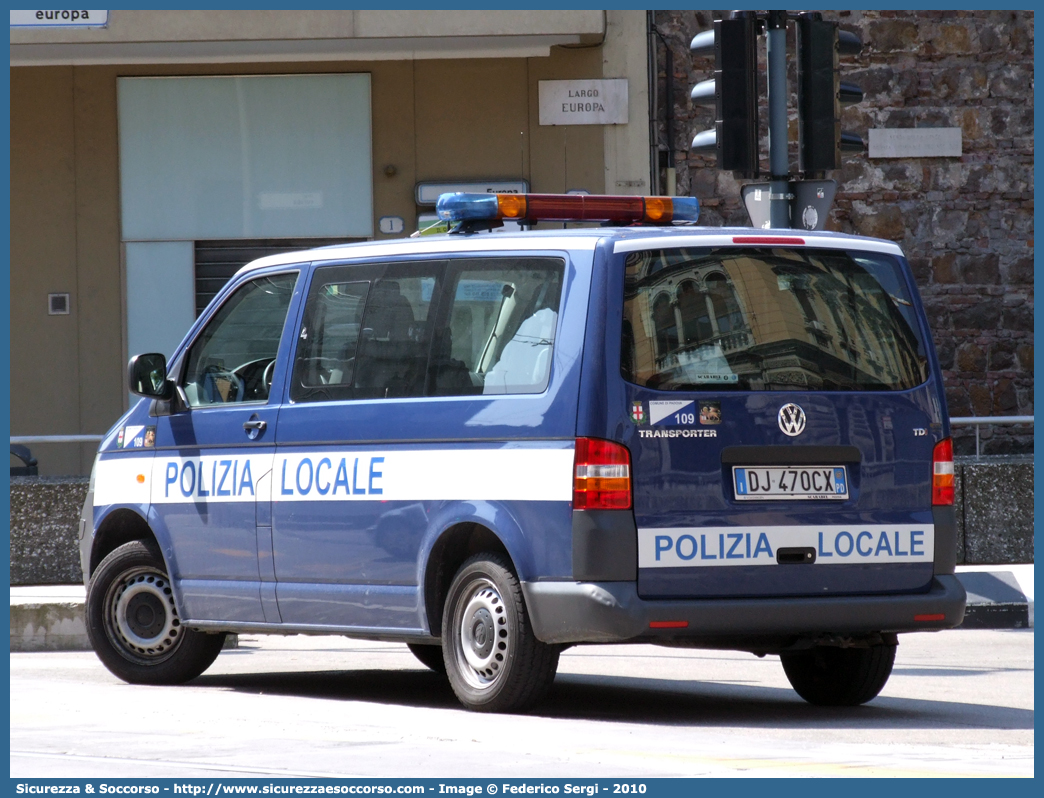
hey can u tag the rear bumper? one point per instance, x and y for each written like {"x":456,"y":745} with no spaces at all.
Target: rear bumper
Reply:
{"x":607,"y":612}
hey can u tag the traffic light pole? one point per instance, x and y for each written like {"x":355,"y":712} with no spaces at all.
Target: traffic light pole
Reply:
{"x":782,"y":203}
{"x":779,"y":199}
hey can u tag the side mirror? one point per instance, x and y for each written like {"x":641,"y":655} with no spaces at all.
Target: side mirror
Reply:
{"x":147,"y":376}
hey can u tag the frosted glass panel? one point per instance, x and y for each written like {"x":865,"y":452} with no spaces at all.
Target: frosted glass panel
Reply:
{"x":161,"y":299}
{"x":265,"y":156}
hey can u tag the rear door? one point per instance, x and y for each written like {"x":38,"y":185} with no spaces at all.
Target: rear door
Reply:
{"x":782,"y":422}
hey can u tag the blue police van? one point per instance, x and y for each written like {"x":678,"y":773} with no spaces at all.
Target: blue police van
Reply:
{"x":491,"y":447}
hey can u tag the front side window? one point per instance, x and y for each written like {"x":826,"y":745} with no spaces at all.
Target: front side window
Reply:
{"x":769,"y":319}
{"x":232,"y":360}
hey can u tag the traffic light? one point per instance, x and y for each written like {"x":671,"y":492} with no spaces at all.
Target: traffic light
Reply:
{"x":821,"y":94}
{"x":734,"y":92}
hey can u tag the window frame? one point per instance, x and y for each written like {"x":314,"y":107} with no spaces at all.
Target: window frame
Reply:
{"x":448,"y":268}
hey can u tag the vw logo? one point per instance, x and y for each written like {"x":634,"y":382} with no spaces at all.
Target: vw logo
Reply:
{"x":791,"y":419}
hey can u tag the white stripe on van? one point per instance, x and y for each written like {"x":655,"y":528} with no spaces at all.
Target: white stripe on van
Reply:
{"x":123,"y":479}
{"x":374,"y":475}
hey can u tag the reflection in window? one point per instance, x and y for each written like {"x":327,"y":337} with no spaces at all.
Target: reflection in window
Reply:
{"x":666,"y":325}
{"x":770,"y":319}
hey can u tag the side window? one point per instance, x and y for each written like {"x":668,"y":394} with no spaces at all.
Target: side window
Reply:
{"x":395,"y":338}
{"x":497,"y":334}
{"x":232,"y":360}
{"x":366,"y":333}
{"x":329,"y":338}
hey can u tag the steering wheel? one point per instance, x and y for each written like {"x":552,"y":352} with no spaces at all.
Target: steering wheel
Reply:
{"x":266,"y":378}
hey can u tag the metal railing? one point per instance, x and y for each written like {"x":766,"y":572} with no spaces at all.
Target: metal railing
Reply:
{"x":980,"y":421}
{"x":23,"y":439}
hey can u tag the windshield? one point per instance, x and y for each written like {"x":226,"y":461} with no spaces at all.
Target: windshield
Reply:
{"x":769,"y":319}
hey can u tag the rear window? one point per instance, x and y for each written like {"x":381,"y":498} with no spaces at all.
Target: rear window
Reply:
{"x":769,"y":319}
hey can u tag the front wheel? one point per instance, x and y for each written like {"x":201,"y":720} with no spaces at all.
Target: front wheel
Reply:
{"x":839,"y":677}
{"x":134,"y":626}
{"x":493,"y":660}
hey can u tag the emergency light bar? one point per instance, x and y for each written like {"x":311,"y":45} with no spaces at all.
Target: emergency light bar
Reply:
{"x":461,"y":207}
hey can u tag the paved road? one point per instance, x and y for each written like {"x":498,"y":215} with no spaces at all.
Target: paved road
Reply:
{"x":958,"y":703}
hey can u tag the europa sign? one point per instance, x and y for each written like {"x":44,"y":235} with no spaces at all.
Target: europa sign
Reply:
{"x":59,"y":19}
{"x":583,"y":102}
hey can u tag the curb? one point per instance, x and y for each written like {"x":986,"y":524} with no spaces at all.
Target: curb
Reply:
{"x":999,"y":596}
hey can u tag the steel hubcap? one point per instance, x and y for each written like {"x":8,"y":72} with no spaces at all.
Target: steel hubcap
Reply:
{"x":484,"y":636}
{"x":142,"y":617}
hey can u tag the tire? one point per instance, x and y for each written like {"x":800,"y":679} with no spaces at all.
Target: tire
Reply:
{"x":133,"y":624}
{"x":493,"y":661}
{"x":429,"y":656}
{"x":839,"y":677}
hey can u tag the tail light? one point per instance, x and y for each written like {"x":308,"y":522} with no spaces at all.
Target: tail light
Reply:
{"x":942,"y":472}
{"x":602,"y":475}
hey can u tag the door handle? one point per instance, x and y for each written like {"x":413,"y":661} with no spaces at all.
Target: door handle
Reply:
{"x":255,"y":424}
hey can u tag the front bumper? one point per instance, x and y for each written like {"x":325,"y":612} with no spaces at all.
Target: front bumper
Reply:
{"x":611,"y":612}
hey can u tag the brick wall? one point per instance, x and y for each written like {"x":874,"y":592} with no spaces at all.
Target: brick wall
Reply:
{"x":966,"y":224}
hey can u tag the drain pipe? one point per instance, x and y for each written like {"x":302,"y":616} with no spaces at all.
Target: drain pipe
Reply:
{"x":671,"y":179}
{"x":654,"y":105}
{"x":672,"y":173}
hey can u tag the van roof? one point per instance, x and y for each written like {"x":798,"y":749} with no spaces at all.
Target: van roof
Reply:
{"x":627,"y":239}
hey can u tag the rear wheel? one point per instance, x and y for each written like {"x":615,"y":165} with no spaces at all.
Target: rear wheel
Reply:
{"x":839,"y":677}
{"x":134,"y":626}
{"x":429,"y":656}
{"x":493,"y":660}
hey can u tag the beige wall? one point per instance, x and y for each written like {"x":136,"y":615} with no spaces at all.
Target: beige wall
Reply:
{"x":432,"y":120}
{"x":65,"y":378}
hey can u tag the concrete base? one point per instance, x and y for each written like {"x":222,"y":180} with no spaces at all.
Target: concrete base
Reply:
{"x":52,"y":622}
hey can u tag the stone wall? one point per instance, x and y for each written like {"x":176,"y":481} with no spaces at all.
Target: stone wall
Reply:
{"x":966,"y":224}
{"x":45,"y":519}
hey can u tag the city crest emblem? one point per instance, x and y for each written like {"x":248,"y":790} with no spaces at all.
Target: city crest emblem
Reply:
{"x":637,"y":412}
